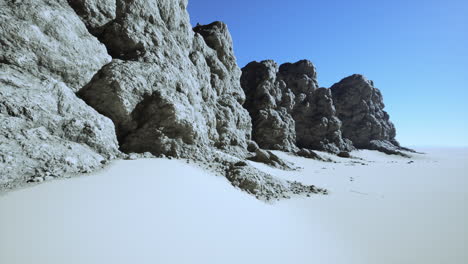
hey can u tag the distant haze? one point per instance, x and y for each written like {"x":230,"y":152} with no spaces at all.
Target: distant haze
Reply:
{"x":415,"y":51}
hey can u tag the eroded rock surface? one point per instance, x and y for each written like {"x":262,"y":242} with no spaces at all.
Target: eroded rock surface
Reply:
{"x":360,"y":107}
{"x":46,"y":55}
{"x":269,"y":103}
{"x":288,"y":109}
{"x":47,"y":37}
{"x":174,"y":91}
{"x":96,"y":14}
{"x":46,"y":130}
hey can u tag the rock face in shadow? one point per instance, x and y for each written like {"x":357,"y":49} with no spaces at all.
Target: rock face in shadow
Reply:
{"x":360,"y":107}
{"x":96,"y":14}
{"x":170,"y":90}
{"x":270,"y":104}
{"x":288,"y":109}
{"x":317,"y":126}
{"x":46,"y":55}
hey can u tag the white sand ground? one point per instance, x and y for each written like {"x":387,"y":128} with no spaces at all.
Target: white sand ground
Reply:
{"x":167,"y":211}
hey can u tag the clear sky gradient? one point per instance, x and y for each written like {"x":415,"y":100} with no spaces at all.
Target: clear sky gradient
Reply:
{"x":415,"y":51}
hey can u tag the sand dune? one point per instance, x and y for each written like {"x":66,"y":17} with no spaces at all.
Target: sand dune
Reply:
{"x":382,"y":209}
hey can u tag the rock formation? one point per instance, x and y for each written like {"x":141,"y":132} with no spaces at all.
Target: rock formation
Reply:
{"x":166,"y":88}
{"x":360,"y":107}
{"x":169,"y":90}
{"x":317,"y":126}
{"x":270,"y":104}
{"x":85,"y":81}
{"x":288,"y":109}
{"x":46,"y":55}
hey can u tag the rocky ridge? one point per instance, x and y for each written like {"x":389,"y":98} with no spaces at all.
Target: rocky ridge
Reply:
{"x":86,"y":81}
{"x":289,"y":110}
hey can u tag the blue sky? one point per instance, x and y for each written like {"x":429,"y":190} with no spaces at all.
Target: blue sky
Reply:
{"x":416,"y":52}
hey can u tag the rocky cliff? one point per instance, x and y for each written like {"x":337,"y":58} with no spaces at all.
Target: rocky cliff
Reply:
{"x":83,"y":82}
{"x":289,"y":110}
{"x":360,"y":107}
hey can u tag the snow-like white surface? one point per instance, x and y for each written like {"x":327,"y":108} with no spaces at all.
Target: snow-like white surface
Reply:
{"x":167,"y":211}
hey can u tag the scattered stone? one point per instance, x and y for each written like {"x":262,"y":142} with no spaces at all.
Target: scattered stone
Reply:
{"x":240,"y":164}
{"x":269,"y":158}
{"x":252,"y":146}
{"x":307,"y":153}
{"x":344,"y":154}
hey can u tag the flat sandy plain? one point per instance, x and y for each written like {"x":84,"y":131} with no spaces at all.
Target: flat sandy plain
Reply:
{"x":381,"y":210}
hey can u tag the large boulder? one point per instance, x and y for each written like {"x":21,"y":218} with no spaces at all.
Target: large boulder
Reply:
{"x":170,"y":90}
{"x":360,"y":107}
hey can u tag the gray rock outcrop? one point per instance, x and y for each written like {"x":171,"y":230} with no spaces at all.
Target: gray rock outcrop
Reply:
{"x":360,"y":107}
{"x":170,"y":90}
{"x":270,"y":104}
{"x":317,"y":126}
{"x":82,"y":81}
{"x":46,"y":55}
{"x":288,"y":109}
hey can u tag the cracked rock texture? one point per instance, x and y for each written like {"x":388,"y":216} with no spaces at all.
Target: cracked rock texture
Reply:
{"x":170,"y":90}
{"x":269,"y":103}
{"x":47,"y":37}
{"x":288,"y":109}
{"x":46,"y":55}
{"x":96,"y":14}
{"x":360,"y":107}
